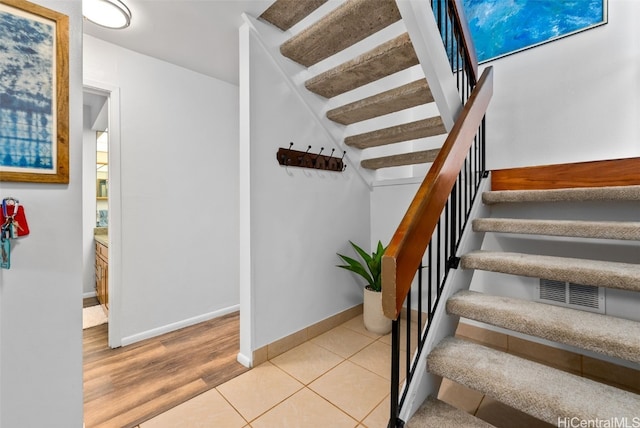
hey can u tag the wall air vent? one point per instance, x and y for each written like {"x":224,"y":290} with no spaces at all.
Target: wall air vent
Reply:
{"x":570,"y":295}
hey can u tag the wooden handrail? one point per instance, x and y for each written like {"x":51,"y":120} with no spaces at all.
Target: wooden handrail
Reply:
{"x":404,"y":253}
{"x":467,"y":40}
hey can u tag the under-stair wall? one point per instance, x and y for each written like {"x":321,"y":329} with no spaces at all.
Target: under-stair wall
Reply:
{"x":293,"y":221}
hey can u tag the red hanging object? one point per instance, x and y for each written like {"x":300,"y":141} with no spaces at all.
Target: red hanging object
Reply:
{"x":19,"y":219}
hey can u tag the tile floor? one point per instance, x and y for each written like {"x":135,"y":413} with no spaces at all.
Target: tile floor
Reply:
{"x":338,"y":379}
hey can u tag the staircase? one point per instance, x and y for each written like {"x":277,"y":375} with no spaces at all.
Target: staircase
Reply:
{"x":544,"y":392}
{"x":359,"y":59}
{"x":362,"y":66}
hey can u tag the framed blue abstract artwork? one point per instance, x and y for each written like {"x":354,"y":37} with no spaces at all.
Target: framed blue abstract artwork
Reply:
{"x":503,"y":27}
{"x":34,"y":93}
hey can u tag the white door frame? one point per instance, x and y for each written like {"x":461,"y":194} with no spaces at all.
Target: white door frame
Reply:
{"x":115,"y":209}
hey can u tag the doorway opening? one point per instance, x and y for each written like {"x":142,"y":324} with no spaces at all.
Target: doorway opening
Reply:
{"x":101,"y":208}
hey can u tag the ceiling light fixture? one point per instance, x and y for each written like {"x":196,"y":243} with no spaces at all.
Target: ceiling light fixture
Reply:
{"x":107,"y":13}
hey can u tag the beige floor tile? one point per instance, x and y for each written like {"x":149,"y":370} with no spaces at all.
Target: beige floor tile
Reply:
{"x":357,"y":324}
{"x":379,"y":418}
{"x":307,"y":362}
{"x":503,"y":416}
{"x":342,"y":341}
{"x":377,"y":358}
{"x":256,"y":391}
{"x":352,"y":388}
{"x":460,"y":396}
{"x":206,"y":410}
{"x":304,"y":409}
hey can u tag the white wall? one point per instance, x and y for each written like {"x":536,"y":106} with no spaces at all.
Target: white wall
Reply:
{"x":294,"y":220}
{"x":41,"y":295}
{"x":388,"y":205}
{"x":575,"y":99}
{"x":179,"y":190}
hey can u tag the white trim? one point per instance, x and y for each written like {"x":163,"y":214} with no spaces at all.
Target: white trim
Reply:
{"x":128,"y":340}
{"x":247,"y":328}
{"x":89,"y":294}
{"x":244,"y":360}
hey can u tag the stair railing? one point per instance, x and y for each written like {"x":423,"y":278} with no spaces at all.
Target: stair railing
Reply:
{"x":458,"y":44}
{"x":428,"y":235}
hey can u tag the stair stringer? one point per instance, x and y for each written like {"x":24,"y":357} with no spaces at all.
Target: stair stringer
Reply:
{"x":443,"y":325}
{"x":270,"y":44}
{"x":419,"y":19}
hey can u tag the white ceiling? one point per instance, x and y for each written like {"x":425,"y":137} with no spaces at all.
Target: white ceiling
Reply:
{"x":201,"y":35}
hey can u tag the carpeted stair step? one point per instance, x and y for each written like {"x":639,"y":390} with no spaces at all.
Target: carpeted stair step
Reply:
{"x":604,"y":334}
{"x":572,"y":228}
{"x":543,"y":392}
{"x":436,"y":413}
{"x":284,"y":14}
{"x":388,"y":58}
{"x":351,"y":22}
{"x":395,"y":134}
{"x":624,"y":276}
{"x":413,"y":158}
{"x":618,"y":193}
{"x":410,"y":95}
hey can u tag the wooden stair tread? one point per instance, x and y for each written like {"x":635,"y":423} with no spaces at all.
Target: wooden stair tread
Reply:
{"x":436,"y":413}
{"x":543,"y":392}
{"x":348,"y":24}
{"x":284,"y":14}
{"x":410,"y":95}
{"x":573,"y":228}
{"x":624,"y":276}
{"x":413,"y":158}
{"x":604,"y":334}
{"x":395,"y":134}
{"x":388,"y":58}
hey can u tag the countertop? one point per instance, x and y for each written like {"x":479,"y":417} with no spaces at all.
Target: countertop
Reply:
{"x":101,"y":236}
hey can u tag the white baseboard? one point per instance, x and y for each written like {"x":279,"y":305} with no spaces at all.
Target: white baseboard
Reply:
{"x":89,"y":294}
{"x":244,"y":360}
{"x":178,"y":325}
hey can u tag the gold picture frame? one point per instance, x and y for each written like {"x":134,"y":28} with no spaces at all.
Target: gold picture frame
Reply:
{"x":34,"y":93}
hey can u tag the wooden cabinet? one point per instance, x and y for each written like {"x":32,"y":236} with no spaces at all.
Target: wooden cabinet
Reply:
{"x":102,"y":274}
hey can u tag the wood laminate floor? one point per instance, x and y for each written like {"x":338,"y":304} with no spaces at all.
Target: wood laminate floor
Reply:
{"x":126,"y":386}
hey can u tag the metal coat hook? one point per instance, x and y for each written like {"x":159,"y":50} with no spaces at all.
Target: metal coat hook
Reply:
{"x":306,"y":159}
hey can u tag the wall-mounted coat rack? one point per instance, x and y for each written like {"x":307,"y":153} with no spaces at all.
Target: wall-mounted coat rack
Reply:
{"x":289,"y":157}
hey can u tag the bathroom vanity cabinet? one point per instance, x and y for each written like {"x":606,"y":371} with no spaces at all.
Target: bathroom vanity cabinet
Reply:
{"x":102,"y":274}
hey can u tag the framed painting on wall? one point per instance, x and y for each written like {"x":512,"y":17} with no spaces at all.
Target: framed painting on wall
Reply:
{"x":34,"y":93}
{"x":503,"y":27}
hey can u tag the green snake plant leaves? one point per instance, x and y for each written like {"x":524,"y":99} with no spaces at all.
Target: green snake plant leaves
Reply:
{"x":373,"y":263}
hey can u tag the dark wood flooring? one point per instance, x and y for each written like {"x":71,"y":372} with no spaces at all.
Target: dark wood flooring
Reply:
{"x":126,"y":386}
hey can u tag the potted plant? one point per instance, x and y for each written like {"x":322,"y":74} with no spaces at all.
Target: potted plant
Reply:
{"x":371,"y":271}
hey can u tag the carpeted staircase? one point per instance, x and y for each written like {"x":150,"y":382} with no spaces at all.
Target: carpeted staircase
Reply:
{"x":543,"y":392}
{"x":340,"y":29}
{"x":341,"y":50}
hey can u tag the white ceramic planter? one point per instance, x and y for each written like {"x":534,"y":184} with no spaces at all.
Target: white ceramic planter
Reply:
{"x":374,"y":320}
